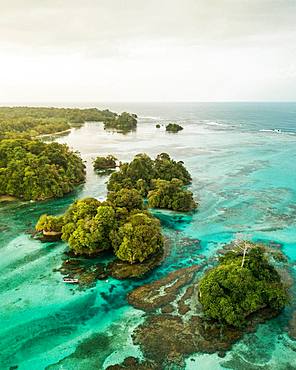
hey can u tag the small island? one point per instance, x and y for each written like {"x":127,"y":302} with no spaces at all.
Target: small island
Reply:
{"x":173,"y":127}
{"x":140,"y":172}
{"x":105,"y":164}
{"x":34,"y":170}
{"x":243,"y":283}
{"x":125,"y":122}
{"x":205,"y":308}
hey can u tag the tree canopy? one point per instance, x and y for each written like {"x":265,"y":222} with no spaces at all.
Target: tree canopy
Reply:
{"x":126,"y":198}
{"x":50,"y":223}
{"x":30,"y":169}
{"x":105,"y":163}
{"x":233,"y":290}
{"x":122,"y":223}
{"x":170,"y":195}
{"x":142,"y":170}
{"x":28,"y":122}
{"x":123,"y":122}
{"x":119,"y":224}
{"x":138,"y":238}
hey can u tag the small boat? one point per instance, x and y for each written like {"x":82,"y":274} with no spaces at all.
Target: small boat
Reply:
{"x":70,"y":280}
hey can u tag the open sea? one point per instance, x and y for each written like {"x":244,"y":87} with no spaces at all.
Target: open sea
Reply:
{"x":242,"y":157}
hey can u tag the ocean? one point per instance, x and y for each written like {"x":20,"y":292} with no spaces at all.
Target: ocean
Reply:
{"x":242,"y":159}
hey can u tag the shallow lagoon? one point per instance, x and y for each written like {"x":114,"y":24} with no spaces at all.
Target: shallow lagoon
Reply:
{"x":245,"y":181}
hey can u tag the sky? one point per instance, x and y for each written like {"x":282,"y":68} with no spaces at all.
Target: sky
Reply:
{"x":147,"y":50}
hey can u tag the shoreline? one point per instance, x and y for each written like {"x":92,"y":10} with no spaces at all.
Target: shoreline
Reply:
{"x":7,"y":198}
{"x":54,"y":133}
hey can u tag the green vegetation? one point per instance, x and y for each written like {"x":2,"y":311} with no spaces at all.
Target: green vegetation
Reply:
{"x":30,"y":169}
{"x":243,"y":283}
{"x":157,"y":125}
{"x":121,"y":223}
{"x":28,"y":122}
{"x":91,"y":235}
{"x":173,"y":127}
{"x":126,"y":198}
{"x":124,"y":122}
{"x":140,"y":172}
{"x":170,"y":195}
{"x":138,"y":238}
{"x":50,"y":223}
{"x":105,"y":163}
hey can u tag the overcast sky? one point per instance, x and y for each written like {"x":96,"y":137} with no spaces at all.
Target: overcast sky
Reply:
{"x":147,"y":50}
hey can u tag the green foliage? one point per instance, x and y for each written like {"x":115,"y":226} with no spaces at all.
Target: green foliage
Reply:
{"x":92,"y":235}
{"x":142,"y":169}
{"x":28,"y":122}
{"x":30,"y":169}
{"x":168,"y":169}
{"x":90,"y":226}
{"x":173,"y":127}
{"x":82,"y":209}
{"x":138,"y":238}
{"x":105,"y":163}
{"x":231,"y":292}
{"x":124,"y":122}
{"x":157,"y":125}
{"x":136,"y":174}
{"x":126,"y":198}
{"x":170,"y":195}
{"x":121,"y":222}
{"x":50,"y":223}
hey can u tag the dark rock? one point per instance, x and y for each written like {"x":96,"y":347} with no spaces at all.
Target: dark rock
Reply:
{"x":123,"y":270}
{"x":181,"y":338}
{"x":183,"y":308}
{"x":161,"y":292}
{"x":132,"y":363}
{"x":86,"y":271}
{"x":169,"y":308}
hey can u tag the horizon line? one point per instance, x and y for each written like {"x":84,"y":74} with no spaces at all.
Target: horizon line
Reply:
{"x":52,"y":103}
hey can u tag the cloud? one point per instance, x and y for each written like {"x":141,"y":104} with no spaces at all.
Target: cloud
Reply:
{"x":147,"y":50}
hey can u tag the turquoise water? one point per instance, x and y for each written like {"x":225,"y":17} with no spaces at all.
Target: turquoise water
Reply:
{"x":244,"y":177}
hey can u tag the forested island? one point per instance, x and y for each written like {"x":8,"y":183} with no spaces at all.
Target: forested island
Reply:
{"x":28,"y":122}
{"x":33,"y":170}
{"x":206,"y":308}
{"x":124,"y":123}
{"x":122,"y":223}
{"x":244,"y":281}
{"x":105,"y":164}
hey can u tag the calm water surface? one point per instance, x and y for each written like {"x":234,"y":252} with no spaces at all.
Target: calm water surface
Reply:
{"x":243,"y":162}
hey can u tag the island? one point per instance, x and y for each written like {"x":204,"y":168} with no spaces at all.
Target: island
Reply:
{"x":105,"y":164}
{"x":122,"y":224}
{"x":140,"y":172}
{"x":244,"y":282}
{"x":30,"y":122}
{"x":207,"y":307}
{"x":125,"y":122}
{"x":34,"y":170}
{"x":173,"y":127}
